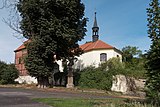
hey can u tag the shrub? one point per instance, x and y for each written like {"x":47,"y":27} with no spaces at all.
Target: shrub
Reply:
{"x":76,"y":76}
{"x":113,"y":63}
{"x":101,"y":77}
{"x":8,"y":73}
{"x":95,"y":78}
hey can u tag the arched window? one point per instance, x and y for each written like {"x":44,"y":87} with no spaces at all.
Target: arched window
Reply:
{"x":103,"y":57}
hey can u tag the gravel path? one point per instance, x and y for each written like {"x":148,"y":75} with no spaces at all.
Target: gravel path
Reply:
{"x":19,"y":97}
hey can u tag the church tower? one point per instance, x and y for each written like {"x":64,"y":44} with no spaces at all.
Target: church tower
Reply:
{"x":95,"y":30}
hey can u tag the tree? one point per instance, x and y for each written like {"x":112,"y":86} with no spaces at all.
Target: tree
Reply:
{"x":53,"y":27}
{"x":153,"y":55}
{"x":129,"y":52}
{"x":8,"y":73}
{"x":132,"y":56}
{"x":134,"y":62}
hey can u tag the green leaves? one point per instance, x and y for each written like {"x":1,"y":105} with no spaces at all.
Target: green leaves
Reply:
{"x":54,"y":28}
{"x":153,"y":55}
{"x":8,"y":73}
{"x":129,"y":52}
{"x":95,"y":78}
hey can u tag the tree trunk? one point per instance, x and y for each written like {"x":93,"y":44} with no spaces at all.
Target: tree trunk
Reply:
{"x":43,"y":82}
{"x":52,"y":81}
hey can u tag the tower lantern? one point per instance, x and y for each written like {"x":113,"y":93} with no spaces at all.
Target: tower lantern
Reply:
{"x":95,"y":30}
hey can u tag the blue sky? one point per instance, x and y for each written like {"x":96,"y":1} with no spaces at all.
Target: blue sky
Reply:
{"x":121,"y":23}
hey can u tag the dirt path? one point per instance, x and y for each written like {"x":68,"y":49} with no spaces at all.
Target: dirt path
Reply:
{"x":21,"y":97}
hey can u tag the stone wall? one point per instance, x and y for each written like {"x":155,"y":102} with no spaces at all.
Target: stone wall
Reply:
{"x":125,"y":84}
{"x":26,"y":80}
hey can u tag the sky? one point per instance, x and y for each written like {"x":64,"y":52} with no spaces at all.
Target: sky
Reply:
{"x":121,"y":23}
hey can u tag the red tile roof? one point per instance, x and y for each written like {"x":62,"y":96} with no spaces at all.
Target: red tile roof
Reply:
{"x":85,"y":47}
{"x":22,"y":46}
{"x":95,"y":45}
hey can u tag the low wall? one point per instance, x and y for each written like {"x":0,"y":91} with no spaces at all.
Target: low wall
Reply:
{"x":26,"y":79}
{"x":126,"y":84}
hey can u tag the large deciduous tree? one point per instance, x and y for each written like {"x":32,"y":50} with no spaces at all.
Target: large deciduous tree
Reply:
{"x":134,"y":61}
{"x":153,"y":55}
{"x":129,"y":52}
{"x":53,"y":27}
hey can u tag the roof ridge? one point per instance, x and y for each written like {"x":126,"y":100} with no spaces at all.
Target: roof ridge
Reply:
{"x":88,"y":44}
{"x":106,"y":43}
{"x":95,"y":44}
{"x":22,"y":46}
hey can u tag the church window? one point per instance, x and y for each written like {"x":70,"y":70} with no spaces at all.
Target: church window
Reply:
{"x":103,"y":57}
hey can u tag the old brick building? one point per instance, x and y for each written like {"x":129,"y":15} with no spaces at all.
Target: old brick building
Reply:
{"x":20,"y":54}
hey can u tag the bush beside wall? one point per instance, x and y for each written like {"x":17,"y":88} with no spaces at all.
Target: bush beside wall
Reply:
{"x":8,"y":73}
{"x":102,"y":77}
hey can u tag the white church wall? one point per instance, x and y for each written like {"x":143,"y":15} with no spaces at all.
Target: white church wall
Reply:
{"x":59,"y":62}
{"x":93,"y":58}
{"x":118,"y":54}
{"x":26,"y":79}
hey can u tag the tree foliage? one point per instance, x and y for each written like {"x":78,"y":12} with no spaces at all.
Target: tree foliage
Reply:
{"x":129,"y":52}
{"x":8,"y":73}
{"x":134,"y":61}
{"x":54,"y":27}
{"x":92,"y":77}
{"x":153,"y":55}
{"x":113,"y":64}
{"x":101,"y":77}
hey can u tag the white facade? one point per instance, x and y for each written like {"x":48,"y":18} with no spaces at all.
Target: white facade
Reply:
{"x":93,"y":57}
{"x":26,"y":79}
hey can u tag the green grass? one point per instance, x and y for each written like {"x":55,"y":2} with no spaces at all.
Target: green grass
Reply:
{"x":70,"y":102}
{"x":66,"y":102}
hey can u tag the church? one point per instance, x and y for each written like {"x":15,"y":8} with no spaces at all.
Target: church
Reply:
{"x":95,"y":52}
